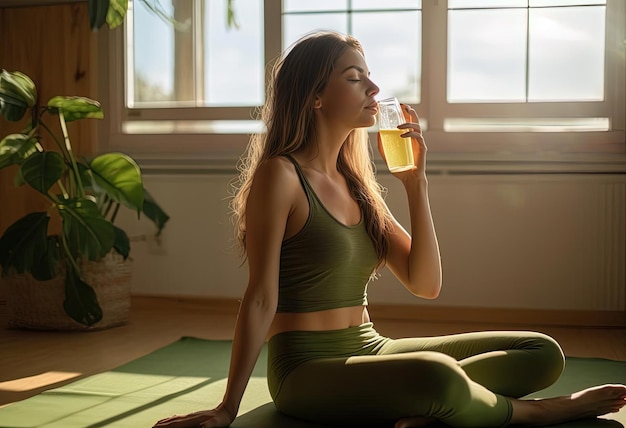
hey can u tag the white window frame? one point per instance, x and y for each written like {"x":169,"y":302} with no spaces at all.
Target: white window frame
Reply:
{"x":208,"y":146}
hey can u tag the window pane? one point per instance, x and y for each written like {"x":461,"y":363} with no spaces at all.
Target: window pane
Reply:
{"x":311,"y":6}
{"x":387,"y":4}
{"x":487,"y":55}
{"x":233,"y":60}
{"x":296,"y":26}
{"x":392,"y":44}
{"x":152,"y":62}
{"x":566,"y":54}
{"x":471,"y":4}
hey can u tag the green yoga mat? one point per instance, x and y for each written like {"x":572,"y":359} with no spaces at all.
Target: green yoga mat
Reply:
{"x":190,"y":375}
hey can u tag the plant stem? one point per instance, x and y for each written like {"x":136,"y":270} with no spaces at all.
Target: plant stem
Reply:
{"x":68,"y":253}
{"x":54,"y":137}
{"x":63,"y":189}
{"x":68,"y":146}
{"x":117,"y":208}
{"x":109,"y":203}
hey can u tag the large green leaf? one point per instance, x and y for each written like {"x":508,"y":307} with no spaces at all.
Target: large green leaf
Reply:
{"x":97,"y":10}
{"x":12,"y":108}
{"x":24,"y":242}
{"x":154,"y":212}
{"x":116,"y":12}
{"x":17,"y":94}
{"x":15,"y":148}
{"x":47,"y":267}
{"x":86,"y":177}
{"x":81,"y":302}
{"x":88,"y":234}
{"x":122,"y":243}
{"x":75,"y":108}
{"x":120,"y":177}
{"x":42,"y":170}
{"x":19,"y":86}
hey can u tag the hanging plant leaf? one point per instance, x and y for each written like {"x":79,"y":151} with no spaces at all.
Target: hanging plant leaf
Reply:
{"x":47,"y":267}
{"x":81,"y":302}
{"x":97,"y":10}
{"x":15,"y":148}
{"x":120,"y":177}
{"x":153,"y":211}
{"x":122,"y":243}
{"x":75,"y":108}
{"x":18,"y":85}
{"x":42,"y":169}
{"x":88,"y":233}
{"x":87,"y":177}
{"x":231,"y":18}
{"x":116,"y":13}
{"x":12,"y":108}
{"x":17,"y":94}
{"x":23,"y":243}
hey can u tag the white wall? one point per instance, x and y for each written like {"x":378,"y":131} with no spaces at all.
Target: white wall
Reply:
{"x":541,"y":241}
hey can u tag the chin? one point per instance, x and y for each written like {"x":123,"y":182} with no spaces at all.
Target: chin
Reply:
{"x":366,"y":123}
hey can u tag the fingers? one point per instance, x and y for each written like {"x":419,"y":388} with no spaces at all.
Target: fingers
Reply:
{"x":178,"y":421}
{"x":409,"y":113}
{"x":412,"y":122}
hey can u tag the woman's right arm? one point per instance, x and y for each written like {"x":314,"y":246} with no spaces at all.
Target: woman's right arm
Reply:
{"x":268,"y":207}
{"x":267,"y":211}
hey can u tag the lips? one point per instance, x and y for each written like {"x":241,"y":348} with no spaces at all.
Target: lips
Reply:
{"x":373,"y":107}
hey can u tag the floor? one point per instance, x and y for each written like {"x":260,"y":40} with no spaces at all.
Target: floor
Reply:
{"x":32,"y":361}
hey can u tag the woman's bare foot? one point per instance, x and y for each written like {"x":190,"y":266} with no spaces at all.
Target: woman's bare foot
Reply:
{"x":414,"y":422}
{"x":591,"y":402}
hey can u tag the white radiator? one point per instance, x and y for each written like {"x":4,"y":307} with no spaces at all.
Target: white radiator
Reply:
{"x":609,"y":261}
{"x":539,"y":241}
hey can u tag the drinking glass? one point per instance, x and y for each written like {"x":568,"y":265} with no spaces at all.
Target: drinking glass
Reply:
{"x":398,"y":150}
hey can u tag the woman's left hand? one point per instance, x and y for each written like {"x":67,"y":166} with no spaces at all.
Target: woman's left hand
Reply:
{"x":413,"y":131}
{"x":218,"y":417}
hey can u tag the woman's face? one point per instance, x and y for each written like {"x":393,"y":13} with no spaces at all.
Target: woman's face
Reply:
{"x":348,"y":98}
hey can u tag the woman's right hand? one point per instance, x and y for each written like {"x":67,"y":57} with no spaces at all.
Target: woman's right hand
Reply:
{"x":215,"y":418}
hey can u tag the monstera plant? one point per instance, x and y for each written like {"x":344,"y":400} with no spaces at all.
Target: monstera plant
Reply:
{"x":84,"y":195}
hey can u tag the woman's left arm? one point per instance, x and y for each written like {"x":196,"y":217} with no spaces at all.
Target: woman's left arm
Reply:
{"x":414,"y":258}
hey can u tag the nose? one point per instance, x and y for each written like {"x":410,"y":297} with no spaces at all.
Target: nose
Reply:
{"x":372,"y":90}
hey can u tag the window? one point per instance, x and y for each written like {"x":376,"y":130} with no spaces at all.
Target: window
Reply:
{"x":198,"y":60}
{"x":545,"y":51}
{"x":484,"y":75}
{"x":390,"y":31}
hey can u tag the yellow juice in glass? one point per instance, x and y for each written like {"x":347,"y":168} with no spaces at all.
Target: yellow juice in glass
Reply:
{"x":398,"y":150}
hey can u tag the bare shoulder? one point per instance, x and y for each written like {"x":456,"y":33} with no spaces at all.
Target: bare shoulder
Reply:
{"x":270,"y":201}
{"x":276,"y":175}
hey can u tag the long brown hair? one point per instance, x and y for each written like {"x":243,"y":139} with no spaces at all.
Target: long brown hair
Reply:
{"x":289,"y":117}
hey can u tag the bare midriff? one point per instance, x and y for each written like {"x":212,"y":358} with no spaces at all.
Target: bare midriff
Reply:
{"x":331,"y":319}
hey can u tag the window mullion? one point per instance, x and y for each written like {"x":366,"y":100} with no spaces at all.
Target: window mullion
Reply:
{"x":273,"y":32}
{"x":434,"y":62}
{"x":615,"y":64}
{"x":184,"y":82}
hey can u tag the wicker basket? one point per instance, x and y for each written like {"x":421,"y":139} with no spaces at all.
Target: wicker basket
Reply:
{"x":38,"y":305}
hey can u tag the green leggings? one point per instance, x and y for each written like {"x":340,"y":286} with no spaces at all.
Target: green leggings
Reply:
{"x":357,"y":376}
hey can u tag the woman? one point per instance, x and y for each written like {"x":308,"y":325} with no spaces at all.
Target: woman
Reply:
{"x":315,"y":229}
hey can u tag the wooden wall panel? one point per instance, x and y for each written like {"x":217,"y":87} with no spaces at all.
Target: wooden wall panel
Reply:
{"x":56,"y":48}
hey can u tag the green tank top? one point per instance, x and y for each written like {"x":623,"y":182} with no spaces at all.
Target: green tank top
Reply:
{"x":327,"y":264}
